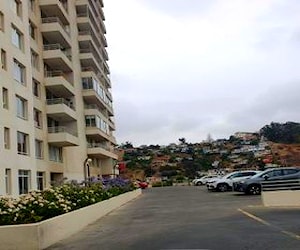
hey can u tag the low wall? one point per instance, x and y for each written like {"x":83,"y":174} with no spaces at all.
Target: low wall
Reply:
{"x":43,"y":234}
{"x":281,"y":193}
{"x":284,"y":198}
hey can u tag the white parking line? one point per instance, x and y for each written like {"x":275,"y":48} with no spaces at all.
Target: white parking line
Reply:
{"x":293,"y":235}
{"x":254,"y":217}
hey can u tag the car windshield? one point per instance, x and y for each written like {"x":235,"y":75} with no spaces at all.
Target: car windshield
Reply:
{"x":227,"y":176}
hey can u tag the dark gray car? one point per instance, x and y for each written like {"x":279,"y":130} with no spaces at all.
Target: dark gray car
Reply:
{"x":253,"y":184}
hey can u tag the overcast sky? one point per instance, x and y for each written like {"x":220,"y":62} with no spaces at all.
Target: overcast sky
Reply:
{"x":189,"y":68}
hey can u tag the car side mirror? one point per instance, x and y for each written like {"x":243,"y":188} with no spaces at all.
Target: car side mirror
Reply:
{"x":266,"y":177}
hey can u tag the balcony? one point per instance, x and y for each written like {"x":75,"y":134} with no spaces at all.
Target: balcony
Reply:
{"x":100,"y":150}
{"x":93,"y":109}
{"x":93,"y":69}
{"x":60,"y":109}
{"x":55,"y":7}
{"x":86,"y":14}
{"x":103,"y":28}
{"x":103,"y":40}
{"x":86,"y":34}
{"x":91,"y":96}
{"x":54,"y":31}
{"x":106,"y":68}
{"x":102,"y":12}
{"x":57,"y":82}
{"x":89,"y":57}
{"x":113,"y":140}
{"x":91,"y":72}
{"x":96,"y":133}
{"x":57,"y":57}
{"x":111,"y":124}
{"x":105,"y":54}
{"x":62,"y":137}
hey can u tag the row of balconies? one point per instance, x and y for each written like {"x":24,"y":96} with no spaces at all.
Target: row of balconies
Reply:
{"x":63,"y":136}
{"x":55,"y":28}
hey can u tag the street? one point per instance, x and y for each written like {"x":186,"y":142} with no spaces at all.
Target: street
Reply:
{"x":190,"y":217}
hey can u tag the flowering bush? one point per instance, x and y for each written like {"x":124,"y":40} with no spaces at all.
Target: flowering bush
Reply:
{"x":40,"y":205}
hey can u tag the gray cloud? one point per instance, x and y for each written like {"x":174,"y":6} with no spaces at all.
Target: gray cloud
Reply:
{"x":191,"y":68}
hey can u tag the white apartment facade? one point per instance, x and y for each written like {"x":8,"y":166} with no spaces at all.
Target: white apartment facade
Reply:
{"x":56,"y":114}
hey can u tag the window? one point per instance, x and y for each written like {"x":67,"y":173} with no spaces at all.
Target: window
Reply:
{"x":21,"y":107}
{"x":243,"y":174}
{"x":5,"y":98}
{"x":3,"y":59}
{"x":96,"y":121}
{"x":32,"y":30}
{"x":6,"y":138}
{"x":8,"y":181}
{"x":23,"y":143}
{"x":34,"y":59}
{"x":24,"y":178}
{"x":37,"y":116}
{"x":55,"y":154}
{"x":19,"y":72}
{"x":36,"y":88}
{"x":90,"y":121}
{"x":40,"y":180}
{"x":290,"y":171}
{"x":274,"y":173}
{"x":1,"y":21}
{"x":16,"y":6}
{"x":39,"y":149}
{"x":17,"y":38}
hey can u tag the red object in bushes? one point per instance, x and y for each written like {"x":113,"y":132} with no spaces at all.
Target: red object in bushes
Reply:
{"x":141,"y":184}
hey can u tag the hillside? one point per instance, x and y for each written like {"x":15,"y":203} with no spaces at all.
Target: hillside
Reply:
{"x":286,"y":154}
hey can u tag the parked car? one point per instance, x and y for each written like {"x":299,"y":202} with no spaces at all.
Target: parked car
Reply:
{"x":204,"y":179}
{"x":141,"y":184}
{"x":226,"y":182}
{"x":253,"y":185}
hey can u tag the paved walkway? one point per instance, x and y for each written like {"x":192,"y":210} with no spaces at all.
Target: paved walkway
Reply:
{"x":190,"y":218}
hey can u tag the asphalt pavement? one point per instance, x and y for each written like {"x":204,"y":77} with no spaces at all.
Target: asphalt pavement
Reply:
{"x":190,"y":217}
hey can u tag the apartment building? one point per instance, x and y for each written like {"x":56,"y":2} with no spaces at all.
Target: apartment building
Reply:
{"x":56,"y":114}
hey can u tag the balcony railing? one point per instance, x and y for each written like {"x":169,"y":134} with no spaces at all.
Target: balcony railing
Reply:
{"x":82,"y":14}
{"x":57,"y":46}
{"x":56,"y":19}
{"x":84,"y":32}
{"x":61,"y":101}
{"x":58,"y":73}
{"x":98,"y":145}
{"x":61,"y":129}
{"x":91,"y":106}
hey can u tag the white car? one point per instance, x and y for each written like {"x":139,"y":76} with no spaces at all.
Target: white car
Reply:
{"x":226,"y":182}
{"x":204,"y":179}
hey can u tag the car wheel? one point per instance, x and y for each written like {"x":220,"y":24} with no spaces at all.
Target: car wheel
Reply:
{"x":254,"y":190}
{"x":223,"y":187}
{"x":199,"y":183}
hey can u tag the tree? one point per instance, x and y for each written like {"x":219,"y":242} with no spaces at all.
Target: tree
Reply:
{"x":288,"y":132}
{"x":126,"y":145}
{"x":182,"y":140}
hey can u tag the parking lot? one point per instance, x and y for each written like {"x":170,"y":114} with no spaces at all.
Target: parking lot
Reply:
{"x":190,"y":217}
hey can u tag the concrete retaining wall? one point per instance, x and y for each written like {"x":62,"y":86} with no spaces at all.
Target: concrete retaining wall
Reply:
{"x":43,"y":234}
{"x":284,"y":198}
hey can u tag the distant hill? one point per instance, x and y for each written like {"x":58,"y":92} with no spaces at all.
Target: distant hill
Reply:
{"x":288,"y":133}
{"x":286,"y":154}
